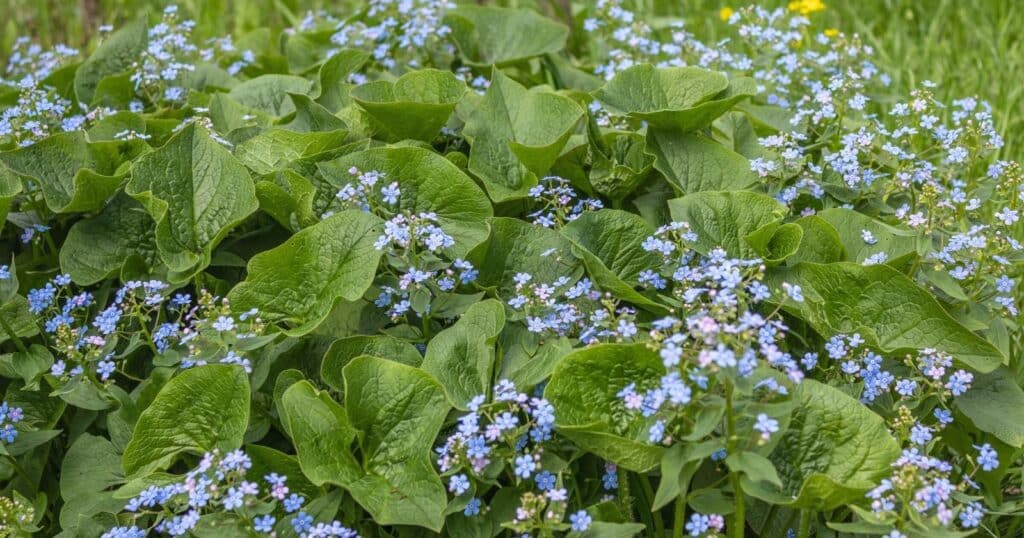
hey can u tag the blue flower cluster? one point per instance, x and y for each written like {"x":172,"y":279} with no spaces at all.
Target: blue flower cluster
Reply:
{"x":9,"y":416}
{"x":560,"y":203}
{"x":218,"y":485}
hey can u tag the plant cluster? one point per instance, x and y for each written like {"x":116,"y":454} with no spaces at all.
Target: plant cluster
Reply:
{"x":431,"y":268}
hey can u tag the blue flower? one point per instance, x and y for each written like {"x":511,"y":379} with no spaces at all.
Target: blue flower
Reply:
{"x":302,"y":522}
{"x":988,"y":459}
{"x":264,"y":524}
{"x":545,"y":480}
{"x":458,"y":484}
{"x":580,"y":521}
{"x":294,"y":502}
{"x":524,"y":466}
{"x":472,"y":507}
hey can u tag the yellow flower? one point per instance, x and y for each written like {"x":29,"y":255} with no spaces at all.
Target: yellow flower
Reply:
{"x":725,"y":13}
{"x":806,"y":7}
{"x":831,"y":32}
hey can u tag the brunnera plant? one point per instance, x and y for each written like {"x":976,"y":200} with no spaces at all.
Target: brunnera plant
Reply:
{"x":427,"y":268}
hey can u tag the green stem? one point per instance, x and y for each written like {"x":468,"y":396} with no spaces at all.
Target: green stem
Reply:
{"x":645,"y":511}
{"x":648,"y":492}
{"x":677,"y":520}
{"x":739,"y":516}
{"x":805,"y":524}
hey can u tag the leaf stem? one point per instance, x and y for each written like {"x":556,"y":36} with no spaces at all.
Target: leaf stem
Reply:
{"x":805,"y":523}
{"x":739,"y":516}
{"x":648,"y":499}
{"x":677,"y":520}
{"x":13,"y":336}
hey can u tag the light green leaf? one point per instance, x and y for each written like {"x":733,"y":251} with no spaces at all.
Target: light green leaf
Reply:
{"x":896,"y":242}
{"x":833,"y":451}
{"x":995,"y":404}
{"x":775,"y":242}
{"x":755,"y":466}
{"x":461,"y":357}
{"x":74,"y":174}
{"x":117,"y":54}
{"x":610,"y":243}
{"x":723,"y":219}
{"x":516,"y":135}
{"x":299,"y":281}
{"x":201,"y":409}
{"x":428,"y":183}
{"x":516,"y":246}
{"x":679,"y":98}
{"x":288,"y":198}
{"x":584,"y":390}
{"x":400,"y":410}
{"x":269,"y":93}
{"x":488,"y":35}
{"x":415,"y":106}
{"x":322,"y":435}
{"x":96,"y":248}
{"x":22,"y":321}
{"x":694,"y":163}
{"x":272,"y":149}
{"x":10,"y":186}
{"x":333,"y":81}
{"x":527,"y":359}
{"x":821,"y":243}
{"x":196,"y":192}
{"x":888,"y":309}
{"x":343,"y":350}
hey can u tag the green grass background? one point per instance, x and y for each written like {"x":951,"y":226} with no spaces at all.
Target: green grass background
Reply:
{"x":969,"y":47}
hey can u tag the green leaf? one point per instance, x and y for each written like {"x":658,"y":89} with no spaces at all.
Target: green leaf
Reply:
{"x":10,"y":186}
{"x":610,"y":243}
{"x":888,"y":309}
{"x":269,"y":93}
{"x":896,"y":242}
{"x":400,"y":410}
{"x":461,"y":357}
{"x":516,"y":135}
{"x":488,"y":35}
{"x":995,"y":404}
{"x":527,"y":359}
{"x":820,"y":244}
{"x":775,"y":242}
{"x":97,"y":248}
{"x":333,"y":80}
{"x":272,"y":149}
{"x":678,"y":465}
{"x":201,"y":409}
{"x":288,"y":198}
{"x":299,"y":281}
{"x":15,"y":311}
{"x":834,"y":450}
{"x":115,"y":55}
{"x":28,"y":365}
{"x":415,"y":106}
{"x":343,"y":350}
{"x":196,"y":192}
{"x":516,"y":246}
{"x":679,"y":98}
{"x":74,"y":174}
{"x":311,"y":116}
{"x":694,"y":163}
{"x":724,"y":219}
{"x":428,"y":183}
{"x":755,"y":466}
{"x":322,"y":435}
{"x":584,"y":390}
{"x":91,"y":466}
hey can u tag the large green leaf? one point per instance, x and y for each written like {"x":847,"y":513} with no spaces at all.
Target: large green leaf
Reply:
{"x":723,"y":219}
{"x":196,"y":191}
{"x":97,"y":247}
{"x":610,"y":242}
{"x":694,"y":163}
{"x":272,"y":149}
{"x":516,"y":135}
{"x":896,"y":242}
{"x":10,"y":186}
{"x":343,"y":350}
{"x":888,"y":309}
{"x":201,"y":409}
{"x":299,"y":281}
{"x":269,"y":93}
{"x":117,"y":54}
{"x":333,"y":81}
{"x":821,"y":243}
{"x":584,"y":390}
{"x":415,"y":106}
{"x":516,"y":246}
{"x":488,"y":35}
{"x":833,"y":451}
{"x":461,"y":357}
{"x":428,"y":183}
{"x":91,"y":466}
{"x":400,"y":410}
{"x":322,"y":435}
{"x":678,"y":98}
{"x":995,"y":404}
{"x":75,"y":175}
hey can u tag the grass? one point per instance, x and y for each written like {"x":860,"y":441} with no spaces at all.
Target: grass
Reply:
{"x":969,"y":48}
